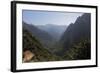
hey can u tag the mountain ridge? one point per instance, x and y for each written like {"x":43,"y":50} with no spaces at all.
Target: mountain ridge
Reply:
{"x":41,"y":35}
{"x":75,"y":32}
{"x":53,"y":29}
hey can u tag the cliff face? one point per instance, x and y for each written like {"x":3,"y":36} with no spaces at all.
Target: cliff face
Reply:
{"x":77,"y":31}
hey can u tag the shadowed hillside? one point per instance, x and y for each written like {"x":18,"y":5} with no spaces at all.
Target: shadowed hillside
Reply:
{"x":74,"y":43}
{"x":77,"y":33}
{"x":41,"y":35}
{"x":32,"y":45}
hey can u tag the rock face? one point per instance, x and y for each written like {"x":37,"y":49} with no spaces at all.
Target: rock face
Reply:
{"x":28,"y":55}
{"x":76,"y":32}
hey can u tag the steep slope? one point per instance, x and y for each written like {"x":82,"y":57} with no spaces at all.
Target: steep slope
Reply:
{"x":79,"y":51}
{"x":41,"y":35}
{"x":76,"y":32}
{"x":30,"y":43}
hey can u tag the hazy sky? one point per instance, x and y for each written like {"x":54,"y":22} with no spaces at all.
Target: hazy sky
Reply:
{"x":49,"y":17}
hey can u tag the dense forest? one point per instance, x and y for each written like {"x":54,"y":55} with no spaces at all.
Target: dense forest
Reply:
{"x":74,"y":43}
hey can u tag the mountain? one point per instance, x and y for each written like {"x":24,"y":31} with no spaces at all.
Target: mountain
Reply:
{"x":33,"y":45}
{"x":54,"y":30}
{"x":74,"y":43}
{"x":41,"y":35}
{"x":76,"y":32}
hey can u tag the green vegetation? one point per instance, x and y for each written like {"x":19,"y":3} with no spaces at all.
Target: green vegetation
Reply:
{"x":79,"y":51}
{"x":32,"y":44}
{"x":74,"y":44}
